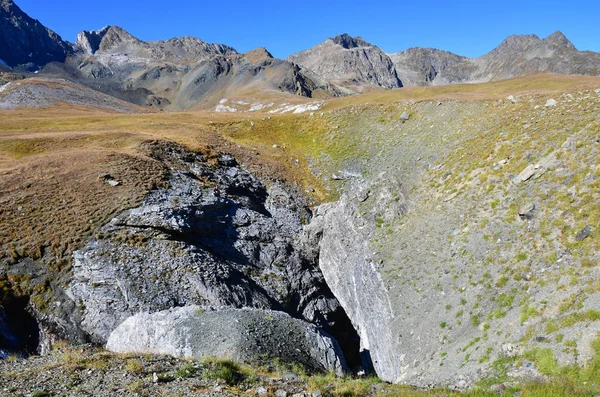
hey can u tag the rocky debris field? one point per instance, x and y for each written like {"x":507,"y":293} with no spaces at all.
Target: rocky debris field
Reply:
{"x":211,"y":234}
{"x":87,"y":372}
{"x":464,"y":235}
{"x":216,"y":236}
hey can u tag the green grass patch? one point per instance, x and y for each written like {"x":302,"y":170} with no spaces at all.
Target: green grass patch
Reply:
{"x":187,"y":371}
{"x":134,"y":365}
{"x":527,"y":312}
{"x":330,"y":385}
{"x":225,"y":370}
{"x":544,"y":360}
{"x":572,"y":319}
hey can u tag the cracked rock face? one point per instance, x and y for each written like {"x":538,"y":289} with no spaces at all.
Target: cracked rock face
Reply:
{"x":251,"y":336}
{"x":350,"y":269}
{"x":216,"y":236}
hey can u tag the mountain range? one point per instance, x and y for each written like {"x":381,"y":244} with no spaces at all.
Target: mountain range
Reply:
{"x":184,"y":73}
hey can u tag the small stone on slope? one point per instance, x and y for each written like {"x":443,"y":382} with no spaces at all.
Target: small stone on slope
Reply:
{"x":585,"y":233}
{"x":527,"y":173}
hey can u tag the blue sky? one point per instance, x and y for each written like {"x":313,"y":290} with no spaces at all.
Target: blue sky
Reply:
{"x":467,"y":27}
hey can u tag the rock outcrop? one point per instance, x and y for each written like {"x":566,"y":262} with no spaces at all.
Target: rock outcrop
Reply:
{"x":349,"y":61}
{"x":25,"y":41}
{"x":245,"y":335}
{"x":216,"y":236}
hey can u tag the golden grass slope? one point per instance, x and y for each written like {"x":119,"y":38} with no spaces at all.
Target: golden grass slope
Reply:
{"x":528,"y":85}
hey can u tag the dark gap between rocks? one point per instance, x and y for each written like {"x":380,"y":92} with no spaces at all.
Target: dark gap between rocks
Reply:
{"x":19,"y":330}
{"x":343,"y":331}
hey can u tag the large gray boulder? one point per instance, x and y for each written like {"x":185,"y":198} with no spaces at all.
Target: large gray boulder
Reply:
{"x":245,"y":335}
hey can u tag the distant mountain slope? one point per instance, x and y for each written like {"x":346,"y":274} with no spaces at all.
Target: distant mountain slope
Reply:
{"x":25,"y":40}
{"x":40,"y":93}
{"x":178,"y":73}
{"x":515,"y":56}
{"x":354,"y":63}
{"x":247,"y":74}
{"x":419,"y":66}
{"x":523,"y":55}
{"x":349,"y":61}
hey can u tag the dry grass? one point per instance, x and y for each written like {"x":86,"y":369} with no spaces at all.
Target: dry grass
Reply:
{"x":536,"y":84}
{"x":26,"y":132}
{"x":51,"y":202}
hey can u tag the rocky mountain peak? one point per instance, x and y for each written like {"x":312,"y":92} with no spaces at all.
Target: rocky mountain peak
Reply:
{"x":350,"y":62}
{"x":190,"y":47}
{"x":347,"y":41}
{"x":258,"y":54}
{"x":425,"y":51}
{"x":116,"y":40}
{"x":529,"y":46}
{"x":512,"y":47}
{"x":518,"y":42}
{"x":560,"y":40}
{"x":114,"y":36}
{"x":89,"y":41}
{"x":424,"y":66}
{"x":104,"y":39}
